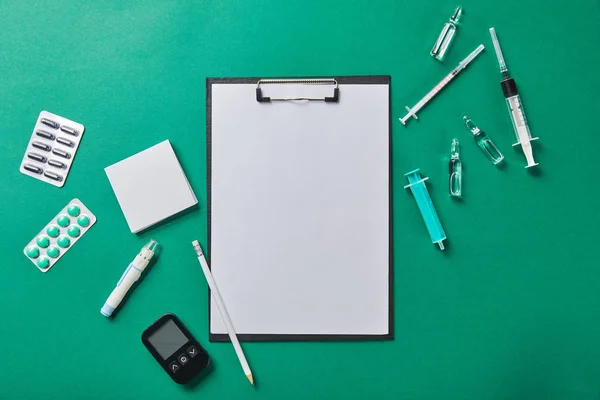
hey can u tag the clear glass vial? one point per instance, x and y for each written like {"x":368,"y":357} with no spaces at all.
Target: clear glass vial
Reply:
{"x":484,"y":142}
{"x":440,"y":48}
{"x":455,"y":170}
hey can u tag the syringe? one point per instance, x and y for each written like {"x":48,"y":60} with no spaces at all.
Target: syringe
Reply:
{"x":430,"y":216}
{"x":515,"y":107}
{"x":462,"y":65}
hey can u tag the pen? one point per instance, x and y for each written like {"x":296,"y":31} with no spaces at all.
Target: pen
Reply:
{"x":129,"y":277}
{"x":221,"y":306}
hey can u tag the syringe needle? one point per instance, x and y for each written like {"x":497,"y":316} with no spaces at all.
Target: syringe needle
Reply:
{"x":498,"y":50}
{"x":412,"y":112}
{"x":463,"y":64}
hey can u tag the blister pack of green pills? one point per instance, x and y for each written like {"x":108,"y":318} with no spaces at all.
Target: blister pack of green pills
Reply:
{"x":59,"y":235}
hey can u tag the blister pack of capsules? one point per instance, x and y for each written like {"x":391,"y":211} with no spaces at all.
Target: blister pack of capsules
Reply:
{"x":51,"y":149}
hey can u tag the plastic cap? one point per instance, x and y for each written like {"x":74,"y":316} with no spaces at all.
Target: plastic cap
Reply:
{"x":107,"y":310}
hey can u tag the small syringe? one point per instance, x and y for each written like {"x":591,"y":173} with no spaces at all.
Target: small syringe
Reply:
{"x":455,"y":170}
{"x":432,"y":221}
{"x":412,"y":112}
{"x":515,"y":107}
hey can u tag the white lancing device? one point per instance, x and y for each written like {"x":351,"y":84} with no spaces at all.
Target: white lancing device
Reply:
{"x":129,"y":277}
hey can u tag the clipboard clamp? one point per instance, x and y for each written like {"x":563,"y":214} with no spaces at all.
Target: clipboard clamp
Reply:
{"x":263,"y":99}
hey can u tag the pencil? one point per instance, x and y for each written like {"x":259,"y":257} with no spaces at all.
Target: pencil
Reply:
{"x":223,"y":311}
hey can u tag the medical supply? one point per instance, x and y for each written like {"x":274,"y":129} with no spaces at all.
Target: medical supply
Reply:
{"x":150,"y":186}
{"x":59,"y":235}
{"x":515,"y":106}
{"x":440,"y":48}
{"x":51,"y":149}
{"x":484,"y":142}
{"x":455,"y":170}
{"x":462,"y":65}
{"x":214,"y":290}
{"x":175,"y":348}
{"x":430,"y":216}
{"x":130,"y":276}
{"x":339,"y":153}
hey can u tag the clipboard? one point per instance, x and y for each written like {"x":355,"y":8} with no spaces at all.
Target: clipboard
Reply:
{"x":299,"y":207}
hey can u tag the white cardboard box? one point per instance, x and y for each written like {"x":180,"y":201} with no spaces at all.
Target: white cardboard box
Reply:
{"x":150,"y":186}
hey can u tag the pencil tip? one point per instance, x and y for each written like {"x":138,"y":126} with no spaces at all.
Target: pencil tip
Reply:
{"x":250,"y":378}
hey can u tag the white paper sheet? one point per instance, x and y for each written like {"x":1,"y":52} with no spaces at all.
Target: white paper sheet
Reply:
{"x":300,"y":210}
{"x":150,"y":186}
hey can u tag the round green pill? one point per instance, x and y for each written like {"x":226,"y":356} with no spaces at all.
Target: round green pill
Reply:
{"x":83,"y":220}
{"x":73,"y":231}
{"x":52,"y":231}
{"x":42,"y":241}
{"x":32,"y":252}
{"x":63,"y":242}
{"x":73,"y":210}
{"x":43,"y":262}
{"x":53,"y":251}
{"x":63,"y":221}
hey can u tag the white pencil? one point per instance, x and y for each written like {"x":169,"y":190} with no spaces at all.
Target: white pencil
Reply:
{"x":221,"y":306}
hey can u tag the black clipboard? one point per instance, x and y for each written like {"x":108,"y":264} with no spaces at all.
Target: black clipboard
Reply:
{"x":337,"y":93}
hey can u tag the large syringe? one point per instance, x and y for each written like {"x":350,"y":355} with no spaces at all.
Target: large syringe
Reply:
{"x":412,"y":112}
{"x":515,"y":107}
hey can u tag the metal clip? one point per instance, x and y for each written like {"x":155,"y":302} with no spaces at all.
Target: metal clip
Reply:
{"x":263,"y":99}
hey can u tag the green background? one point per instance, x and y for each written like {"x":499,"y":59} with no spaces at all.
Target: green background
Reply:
{"x":509,"y":311}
